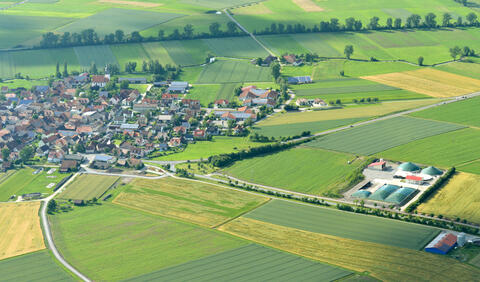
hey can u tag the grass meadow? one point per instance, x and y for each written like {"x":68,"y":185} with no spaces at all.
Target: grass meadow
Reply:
{"x":344,"y":224}
{"x":228,"y":71}
{"x":87,"y":187}
{"x":236,"y":47}
{"x":21,"y":231}
{"x":383,"y":262}
{"x":470,"y":69}
{"x":460,"y":198}
{"x":305,"y":170}
{"x":470,"y":167}
{"x":462,"y":112}
{"x":379,"y":136}
{"x":209,"y":93}
{"x":444,"y":150}
{"x":204,"y":149}
{"x":195,"y":202}
{"x":106,"y":242}
{"x":40,"y":265}
{"x":252,"y":262}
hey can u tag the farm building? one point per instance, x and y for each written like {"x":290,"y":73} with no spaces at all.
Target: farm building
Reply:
{"x":442,"y":244}
{"x":133,"y":80}
{"x":381,"y":165}
{"x":178,"y":87}
{"x":362,"y":194}
{"x":410,"y":167}
{"x":300,"y":80}
{"x":432,"y":171}
{"x":383,"y":192}
{"x":413,"y":179}
{"x":401,"y":196}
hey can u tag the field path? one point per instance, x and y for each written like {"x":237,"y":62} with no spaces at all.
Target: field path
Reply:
{"x":248,"y":32}
{"x":48,"y":232}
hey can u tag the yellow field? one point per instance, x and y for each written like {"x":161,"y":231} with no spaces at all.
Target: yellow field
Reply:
{"x":257,"y":9}
{"x":308,"y":5}
{"x":429,"y":81}
{"x":349,"y":112}
{"x":196,"y":202}
{"x":20,"y":229}
{"x":459,"y":198}
{"x":383,"y":262}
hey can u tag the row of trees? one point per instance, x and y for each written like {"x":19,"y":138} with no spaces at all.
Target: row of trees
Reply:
{"x":352,"y":24}
{"x":91,"y":37}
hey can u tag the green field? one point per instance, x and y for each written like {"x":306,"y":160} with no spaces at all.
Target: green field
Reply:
{"x":293,"y":129}
{"x":195,"y":202}
{"x":382,"y":135}
{"x":471,"y":167}
{"x":209,"y":93}
{"x":38,"y":266}
{"x":463,"y":112}
{"x":23,"y":181}
{"x":463,"y":68}
{"x":87,"y":187}
{"x":249,"y":263}
{"x":344,"y":224}
{"x":100,"y":55}
{"x":444,"y":150}
{"x":236,"y":47}
{"x":299,"y":169}
{"x":205,"y":149}
{"x":107,"y":242}
{"x":227,"y":71}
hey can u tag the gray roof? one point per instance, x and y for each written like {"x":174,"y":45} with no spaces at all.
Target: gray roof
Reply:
{"x":102,"y":158}
{"x":129,"y":126}
{"x":183,"y":84}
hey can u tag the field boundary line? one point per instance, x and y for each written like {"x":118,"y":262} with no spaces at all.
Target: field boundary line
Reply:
{"x":242,"y":214}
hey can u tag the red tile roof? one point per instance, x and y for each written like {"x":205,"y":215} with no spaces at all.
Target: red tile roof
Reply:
{"x":413,"y":177}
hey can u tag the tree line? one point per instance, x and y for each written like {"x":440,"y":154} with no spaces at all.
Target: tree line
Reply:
{"x":351,"y":24}
{"x":91,"y":37}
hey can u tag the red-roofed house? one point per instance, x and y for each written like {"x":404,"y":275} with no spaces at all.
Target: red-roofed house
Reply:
{"x":221,"y":103}
{"x":442,"y":244}
{"x":199,"y":134}
{"x":100,"y":80}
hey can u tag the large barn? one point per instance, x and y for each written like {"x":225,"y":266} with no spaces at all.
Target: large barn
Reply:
{"x":442,"y":244}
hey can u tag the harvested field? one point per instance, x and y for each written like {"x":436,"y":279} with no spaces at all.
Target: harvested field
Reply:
{"x":308,"y":6}
{"x":88,"y":186}
{"x":196,"y":202}
{"x":20,"y":227}
{"x":252,"y":263}
{"x":382,"y":135}
{"x":344,"y":224}
{"x":38,"y":266}
{"x":460,"y":198}
{"x":132,"y":3}
{"x":383,"y":262}
{"x":430,"y":82}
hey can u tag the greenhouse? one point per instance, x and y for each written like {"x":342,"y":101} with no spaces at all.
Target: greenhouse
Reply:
{"x":432,"y":171}
{"x":383,"y":192}
{"x":362,"y":194}
{"x":401,"y":196}
{"x":409,"y":167}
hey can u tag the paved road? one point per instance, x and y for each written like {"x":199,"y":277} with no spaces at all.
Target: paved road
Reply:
{"x":249,"y":33}
{"x":48,"y":232}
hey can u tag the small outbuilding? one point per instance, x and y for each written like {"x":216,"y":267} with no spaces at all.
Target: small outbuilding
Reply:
{"x":381,"y":166}
{"x":413,"y":179}
{"x":442,"y":244}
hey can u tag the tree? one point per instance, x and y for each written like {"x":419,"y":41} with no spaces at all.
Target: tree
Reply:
{"x":161,"y":34}
{"x":214,"y":29}
{"x":397,"y":23}
{"x":232,"y":27}
{"x":136,"y":37}
{"x":93,"y":68}
{"x":358,"y":25}
{"x":275,"y":71}
{"x":259,"y":61}
{"x":374,"y":23}
{"x":348,"y":51}
{"x":460,"y":21}
{"x":52,"y":206}
{"x":420,"y":61}
{"x":119,"y":35}
{"x":26,"y":153}
{"x":188,"y":31}
{"x":413,"y":21}
{"x":57,"y":72}
{"x":446,"y":19}
{"x":430,"y":20}
{"x":350,"y":23}
{"x":389,"y":23}
{"x":5,"y":154}
{"x":124,"y":84}
{"x":231,"y":123}
{"x":472,"y":18}
{"x":454,"y":52}
{"x":65,"y":69}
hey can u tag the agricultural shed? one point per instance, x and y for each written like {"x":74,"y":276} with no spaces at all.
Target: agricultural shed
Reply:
{"x":383,"y":192}
{"x":362,"y":194}
{"x":413,"y":179}
{"x":409,"y":167}
{"x":442,"y":244}
{"x":300,"y":80}
{"x":401,"y":196}
{"x":432,"y":171}
{"x":381,"y":165}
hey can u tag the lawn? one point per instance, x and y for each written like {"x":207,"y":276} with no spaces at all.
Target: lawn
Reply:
{"x":251,"y":263}
{"x":460,"y":198}
{"x":87,"y":187}
{"x":28,"y":84}
{"x":23,"y":181}
{"x":21,"y":232}
{"x":382,"y":135}
{"x":39,"y":266}
{"x":227,"y":71}
{"x":205,"y":149}
{"x":305,"y":170}
{"x":430,"y":82}
{"x":383,"y":262}
{"x":293,"y":129}
{"x":106,"y":242}
{"x":445,"y":150}
{"x":345,"y":224}
{"x":463,"y":112}
{"x":196,"y":202}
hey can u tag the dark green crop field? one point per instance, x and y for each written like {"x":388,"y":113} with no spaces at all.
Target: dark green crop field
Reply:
{"x":382,"y":135}
{"x":249,"y":263}
{"x":345,"y":224}
{"x":38,"y":266}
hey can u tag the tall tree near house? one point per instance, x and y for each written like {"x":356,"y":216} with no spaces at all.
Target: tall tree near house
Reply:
{"x":57,"y":72}
{"x":93,"y":68}
{"x":65,"y":69}
{"x":275,"y":71}
{"x":26,"y":153}
{"x":5,"y":154}
{"x":348,"y":51}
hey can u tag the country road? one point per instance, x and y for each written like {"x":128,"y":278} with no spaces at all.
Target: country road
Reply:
{"x":48,"y":232}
